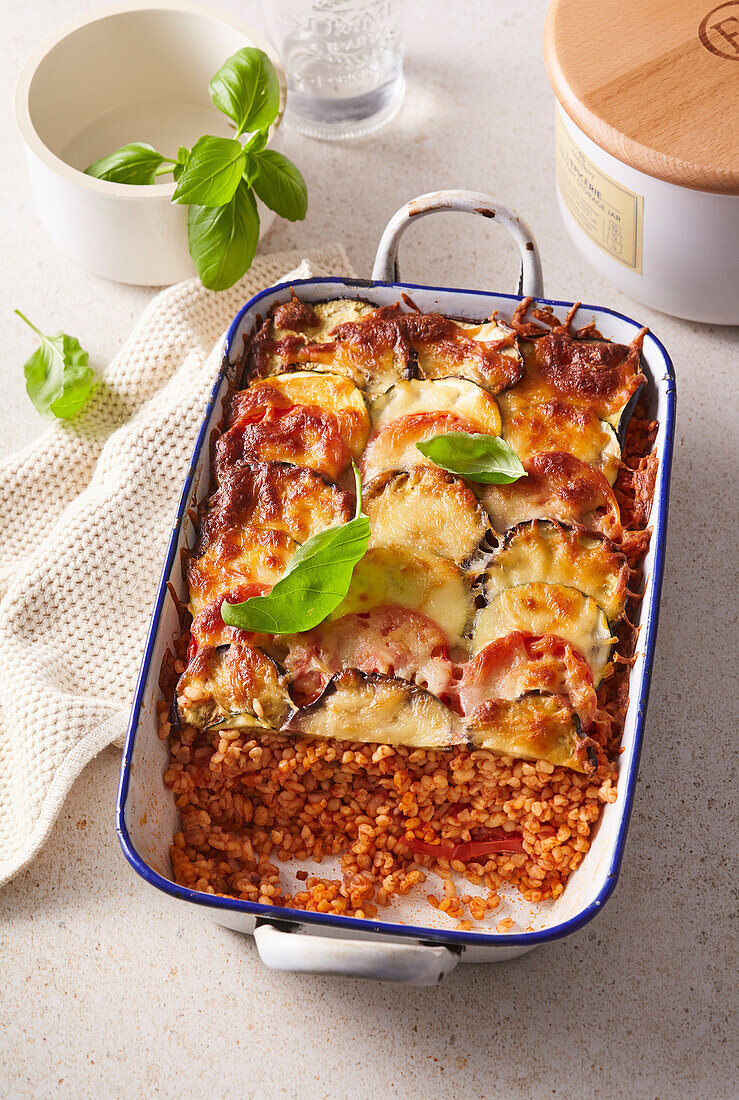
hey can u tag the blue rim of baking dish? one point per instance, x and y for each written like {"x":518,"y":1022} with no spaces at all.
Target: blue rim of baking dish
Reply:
{"x":297,"y":917}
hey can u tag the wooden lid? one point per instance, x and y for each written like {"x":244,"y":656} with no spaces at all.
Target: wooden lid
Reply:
{"x":655,"y":83}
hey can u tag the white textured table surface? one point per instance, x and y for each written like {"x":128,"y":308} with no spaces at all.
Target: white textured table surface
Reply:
{"x":107,"y":989}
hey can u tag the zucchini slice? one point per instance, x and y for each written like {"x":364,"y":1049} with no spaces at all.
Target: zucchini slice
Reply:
{"x":557,"y":486}
{"x":316,"y":322}
{"x":394,"y":575}
{"x":232,"y":687}
{"x":357,"y":706}
{"x":548,"y":609}
{"x":394,"y":446}
{"x":518,"y":663}
{"x":284,"y":337}
{"x":560,"y":426}
{"x":542,"y":550}
{"x":370,"y":348}
{"x":428,"y":509}
{"x":537,"y":726}
{"x":458,"y":396}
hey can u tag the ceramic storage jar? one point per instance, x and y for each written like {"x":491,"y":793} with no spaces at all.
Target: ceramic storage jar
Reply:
{"x":647,"y":147}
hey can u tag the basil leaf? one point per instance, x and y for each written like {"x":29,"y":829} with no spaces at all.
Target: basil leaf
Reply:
{"x":223,"y":239}
{"x":136,"y":163}
{"x":212,"y":172}
{"x":58,"y":377}
{"x":182,"y":154}
{"x":246,"y":89}
{"x":480,"y":458}
{"x":314,"y":584}
{"x":280,"y":185}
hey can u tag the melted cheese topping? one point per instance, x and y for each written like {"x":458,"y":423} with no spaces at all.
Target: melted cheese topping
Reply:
{"x":558,"y":426}
{"x":542,"y":639}
{"x":251,"y":527}
{"x":331,"y":393}
{"x":591,"y":374}
{"x":316,"y":323}
{"x":545,"y":551}
{"x":393,"y":641}
{"x":485,"y":353}
{"x":308,"y":419}
{"x":548,"y":609}
{"x":282,"y":340}
{"x":426,"y":509}
{"x":273,"y":496}
{"x":237,"y":558}
{"x":519,"y":663}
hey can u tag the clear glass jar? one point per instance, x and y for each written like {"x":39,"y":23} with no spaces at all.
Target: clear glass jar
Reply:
{"x":344,"y":63}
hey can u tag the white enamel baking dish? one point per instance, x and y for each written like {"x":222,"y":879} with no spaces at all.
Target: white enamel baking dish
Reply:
{"x":412,"y":942}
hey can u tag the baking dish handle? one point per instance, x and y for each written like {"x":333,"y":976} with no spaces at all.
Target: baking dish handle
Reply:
{"x":297,"y":953}
{"x":472,"y":202}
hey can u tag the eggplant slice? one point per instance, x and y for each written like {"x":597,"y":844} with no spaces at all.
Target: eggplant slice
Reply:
{"x":548,"y":609}
{"x":233,"y":687}
{"x":368,"y":707}
{"x":486,"y":353}
{"x":557,"y":486}
{"x":427,"y":509}
{"x":536,"y":726}
{"x":546,"y":551}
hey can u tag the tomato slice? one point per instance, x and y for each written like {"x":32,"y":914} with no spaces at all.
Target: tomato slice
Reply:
{"x":467,"y":850}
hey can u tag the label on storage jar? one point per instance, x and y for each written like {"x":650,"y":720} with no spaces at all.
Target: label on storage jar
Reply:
{"x":606,"y":211}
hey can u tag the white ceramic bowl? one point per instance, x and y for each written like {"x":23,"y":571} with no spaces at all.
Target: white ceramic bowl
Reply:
{"x":137,"y":71}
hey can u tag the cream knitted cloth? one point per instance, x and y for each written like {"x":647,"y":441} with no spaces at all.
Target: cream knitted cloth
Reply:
{"x":85,"y":511}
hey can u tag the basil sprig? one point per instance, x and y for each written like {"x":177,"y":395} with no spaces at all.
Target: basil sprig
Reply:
{"x":486,"y":459}
{"x":314,"y":583}
{"x":218,"y":177}
{"x":59,"y":379}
